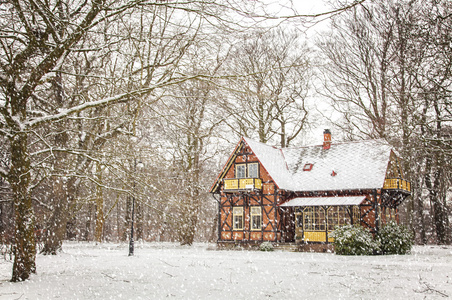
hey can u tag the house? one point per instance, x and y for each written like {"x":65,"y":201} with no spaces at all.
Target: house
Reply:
{"x":298,"y":195}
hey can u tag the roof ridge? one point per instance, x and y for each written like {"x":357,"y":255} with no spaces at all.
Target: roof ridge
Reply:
{"x":284,"y":158}
{"x":335,"y":143}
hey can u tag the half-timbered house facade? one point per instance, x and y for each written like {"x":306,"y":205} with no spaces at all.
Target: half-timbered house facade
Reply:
{"x":288,"y":195}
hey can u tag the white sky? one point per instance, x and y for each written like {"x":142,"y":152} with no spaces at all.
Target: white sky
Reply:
{"x":312,"y":28}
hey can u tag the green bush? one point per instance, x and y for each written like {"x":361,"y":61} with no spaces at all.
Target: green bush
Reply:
{"x":354,"y":240}
{"x":266,"y":246}
{"x":395,"y":239}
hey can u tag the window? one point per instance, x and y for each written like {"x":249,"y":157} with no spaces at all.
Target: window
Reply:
{"x":356,"y":215}
{"x":253,"y":170}
{"x":256,"y":217}
{"x":308,"y":167}
{"x":237,"y":218}
{"x":240,"y":171}
{"x":247,"y":170}
{"x":337,"y":216}
{"x":393,"y":214}
{"x":314,"y":219}
{"x":299,"y":220}
{"x":387,"y":214}
{"x":308,"y":216}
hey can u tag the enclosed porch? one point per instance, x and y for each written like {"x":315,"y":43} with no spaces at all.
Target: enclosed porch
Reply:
{"x":316,"y":217}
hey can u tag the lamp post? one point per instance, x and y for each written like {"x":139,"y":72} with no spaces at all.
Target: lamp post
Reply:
{"x":131,"y":243}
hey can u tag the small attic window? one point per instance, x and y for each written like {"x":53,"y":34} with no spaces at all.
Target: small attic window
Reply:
{"x":308,"y":167}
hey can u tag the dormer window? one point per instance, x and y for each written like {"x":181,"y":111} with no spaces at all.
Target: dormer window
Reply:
{"x":308,"y":167}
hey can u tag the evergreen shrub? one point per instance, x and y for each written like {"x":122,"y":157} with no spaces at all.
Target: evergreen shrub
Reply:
{"x":354,"y":240}
{"x":395,"y":239}
{"x":266,"y":246}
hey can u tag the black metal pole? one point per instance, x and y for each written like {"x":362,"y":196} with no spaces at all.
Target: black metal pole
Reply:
{"x":131,"y":246}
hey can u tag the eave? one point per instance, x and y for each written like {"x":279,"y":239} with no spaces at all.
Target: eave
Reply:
{"x":214,"y":188}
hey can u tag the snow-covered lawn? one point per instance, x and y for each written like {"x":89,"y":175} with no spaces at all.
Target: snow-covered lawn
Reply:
{"x":164,"y":270}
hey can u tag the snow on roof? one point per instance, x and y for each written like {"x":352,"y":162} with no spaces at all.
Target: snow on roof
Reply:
{"x":272,"y":159}
{"x":345,"y":166}
{"x":327,"y":201}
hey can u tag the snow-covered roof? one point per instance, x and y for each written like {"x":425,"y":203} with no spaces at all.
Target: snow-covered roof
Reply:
{"x":325,"y":201}
{"x":345,"y":166}
{"x":272,"y":159}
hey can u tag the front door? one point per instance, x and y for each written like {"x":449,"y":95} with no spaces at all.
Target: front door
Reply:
{"x":287,"y":225}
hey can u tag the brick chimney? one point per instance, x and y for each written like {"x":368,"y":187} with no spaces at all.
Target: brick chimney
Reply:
{"x":326,"y":139}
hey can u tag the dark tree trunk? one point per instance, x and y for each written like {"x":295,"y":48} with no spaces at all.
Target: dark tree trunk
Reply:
{"x":55,"y":229}
{"x":24,"y":239}
{"x":439,"y":210}
{"x":188,"y":220}
{"x":127,"y":219}
{"x":98,"y":234}
{"x":420,"y":218}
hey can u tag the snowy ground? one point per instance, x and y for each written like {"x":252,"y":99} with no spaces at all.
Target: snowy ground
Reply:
{"x":161,"y":271}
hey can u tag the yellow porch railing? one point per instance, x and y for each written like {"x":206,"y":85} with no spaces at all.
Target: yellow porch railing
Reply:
{"x":317,"y":236}
{"x":397,"y":184}
{"x":314,"y":236}
{"x":242,"y":184}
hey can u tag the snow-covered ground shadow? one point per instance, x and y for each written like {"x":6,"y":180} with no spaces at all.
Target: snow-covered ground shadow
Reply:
{"x":165,"y":270}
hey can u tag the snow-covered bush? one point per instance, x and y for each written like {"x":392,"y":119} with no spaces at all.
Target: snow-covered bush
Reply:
{"x":395,"y":239}
{"x":353,"y":240}
{"x":266,"y":246}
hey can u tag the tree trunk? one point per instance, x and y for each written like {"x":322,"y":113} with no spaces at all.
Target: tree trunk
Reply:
{"x":283,"y":134}
{"x":190,"y":204}
{"x":139,"y":221}
{"x":420,"y":218}
{"x":188,"y":220}
{"x":24,"y":239}
{"x":99,"y":206}
{"x":127,"y":219}
{"x":56,"y":229}
{"x":439,"y":211}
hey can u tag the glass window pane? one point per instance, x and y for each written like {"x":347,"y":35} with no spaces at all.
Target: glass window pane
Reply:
{"x":256,"y":217}
{"x":299,"y":220}
{"x":256,"y":222}
{"x":356,"y":215}
{"x":240,"y":171}
{"x":237,"y":214}
{"x":253,"y":170}
{"x":255,"y":210}
{"x":309,"y":219}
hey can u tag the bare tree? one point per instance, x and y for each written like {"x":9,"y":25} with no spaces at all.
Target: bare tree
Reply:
{"x":42,"y":84}
{"x":384,"y":80}
{"x":435,"y":118}
{"x":269,"y":100}
{"x":38,"y":41}
{"x":190,"y":118}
